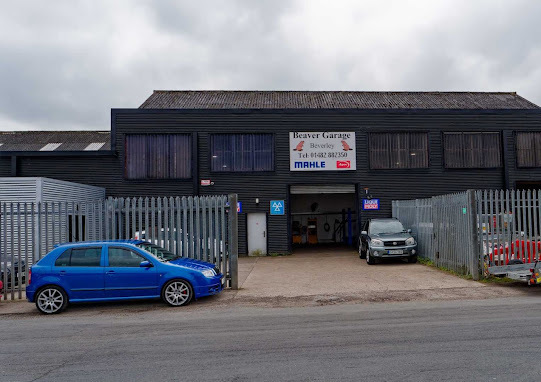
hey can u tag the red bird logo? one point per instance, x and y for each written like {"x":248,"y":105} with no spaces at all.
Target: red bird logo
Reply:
{"x":346,"y":146}
{"x":299,"y":146}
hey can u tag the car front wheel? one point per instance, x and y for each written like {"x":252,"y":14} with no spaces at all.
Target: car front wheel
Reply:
{"x":51,"y":300}
{"x":370,"y":260}
{"x":177,"y":293}
{"x":362,"y":254}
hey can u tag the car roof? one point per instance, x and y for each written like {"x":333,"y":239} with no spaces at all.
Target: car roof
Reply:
{"x":99,"y":242}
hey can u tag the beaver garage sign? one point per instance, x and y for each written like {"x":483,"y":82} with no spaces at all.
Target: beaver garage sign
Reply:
{"x":321,"y":151}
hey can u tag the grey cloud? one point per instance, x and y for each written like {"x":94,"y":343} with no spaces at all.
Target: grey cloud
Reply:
{"x":66,"y":64}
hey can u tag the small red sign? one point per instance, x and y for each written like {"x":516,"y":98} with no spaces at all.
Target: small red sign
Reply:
{"x":206,"y":182}
{"x":343,"y":164}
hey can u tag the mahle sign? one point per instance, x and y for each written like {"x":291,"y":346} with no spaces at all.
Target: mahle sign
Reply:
{"x":322,"y":151}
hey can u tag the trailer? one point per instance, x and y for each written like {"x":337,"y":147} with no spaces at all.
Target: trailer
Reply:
{"x":524,"y":272}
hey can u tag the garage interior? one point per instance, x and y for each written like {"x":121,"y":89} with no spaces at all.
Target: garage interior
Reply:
{"x":323,"y":215}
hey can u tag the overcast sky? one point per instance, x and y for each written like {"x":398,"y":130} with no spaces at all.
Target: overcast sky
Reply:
{"x":65,"y":64}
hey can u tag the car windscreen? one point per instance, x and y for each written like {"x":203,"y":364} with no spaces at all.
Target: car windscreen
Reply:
{"x":161,"y":253}
{"x":385,"y":226}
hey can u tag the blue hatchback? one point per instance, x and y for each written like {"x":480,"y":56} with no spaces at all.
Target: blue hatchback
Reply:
{"x":118,"y":270}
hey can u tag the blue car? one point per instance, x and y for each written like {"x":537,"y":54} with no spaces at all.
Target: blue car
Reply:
{"x":118,"y":270}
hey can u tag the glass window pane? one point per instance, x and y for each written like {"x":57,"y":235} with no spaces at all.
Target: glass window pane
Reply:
{"x":398,"y":150}
{"x":472,"y":150}
{"x":63,"y":260}
{"x":242,"y":152}
{"x":122,"y":257}
{"x":85,"y":257}
{"x":158,"y":156}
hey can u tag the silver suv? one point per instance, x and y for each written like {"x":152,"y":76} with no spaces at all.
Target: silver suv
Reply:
{"x":386,"y":238}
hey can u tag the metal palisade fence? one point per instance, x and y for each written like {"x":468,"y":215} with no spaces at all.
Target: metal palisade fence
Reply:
{"x":445,"y":230}
{"x":203,"y":228}
{"x":509,"y":226}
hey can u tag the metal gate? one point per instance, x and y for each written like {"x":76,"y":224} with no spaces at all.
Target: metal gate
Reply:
{"x":445,"y":228}
{"x":203,"y":228}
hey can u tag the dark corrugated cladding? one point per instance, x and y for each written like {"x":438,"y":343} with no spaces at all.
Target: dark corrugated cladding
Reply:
{"x":108,"y":170}
{"x":385,"y":184}
{"x":5,"y":166}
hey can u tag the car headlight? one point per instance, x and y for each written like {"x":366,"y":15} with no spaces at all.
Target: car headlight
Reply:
{"x":209,"y":273}
{"x":376,"y":243}
{"x":410,"y":241}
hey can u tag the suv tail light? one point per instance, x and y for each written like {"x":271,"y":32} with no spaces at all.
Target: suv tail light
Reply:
{"x":29,"y":276}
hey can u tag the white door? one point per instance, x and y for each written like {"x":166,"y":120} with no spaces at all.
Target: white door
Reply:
{"x":257,"y":233}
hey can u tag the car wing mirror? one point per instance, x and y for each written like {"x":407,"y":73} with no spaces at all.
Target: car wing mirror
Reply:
{"x":364,"y":233}
{"x":146,"y":264}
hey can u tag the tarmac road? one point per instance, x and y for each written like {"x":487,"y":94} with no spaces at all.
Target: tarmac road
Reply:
{"x":482,"y":340}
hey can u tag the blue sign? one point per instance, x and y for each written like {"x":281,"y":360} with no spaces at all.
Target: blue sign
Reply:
{"x":370,"y":204}
{"x":239,"y":206}
{"x":277,"y":207}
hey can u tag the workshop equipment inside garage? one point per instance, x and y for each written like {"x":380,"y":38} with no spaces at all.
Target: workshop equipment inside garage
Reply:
{"x":323,"y":214}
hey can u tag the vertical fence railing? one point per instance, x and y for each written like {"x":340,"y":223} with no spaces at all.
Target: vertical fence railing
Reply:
{"x":203,"y":228}
{"x":444,"y":228}
{"x":509,"y":226}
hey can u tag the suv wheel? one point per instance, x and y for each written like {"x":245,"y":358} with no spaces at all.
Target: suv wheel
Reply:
{"x":362,"y":254}
{"x":51,"y":300}
{"x":370,"y":260}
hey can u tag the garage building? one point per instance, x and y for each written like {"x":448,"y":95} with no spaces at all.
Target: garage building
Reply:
{"x":309,"y":167}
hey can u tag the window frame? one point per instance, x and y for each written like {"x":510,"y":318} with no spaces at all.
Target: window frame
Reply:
{"x":192,"y":159}
{"x":69,"y":250}
{"x":370,"y":141}
{"x":515,"y":138}
{"x":466,"y":132}
{"x":210,"y":153}
{"x":108,"y":264}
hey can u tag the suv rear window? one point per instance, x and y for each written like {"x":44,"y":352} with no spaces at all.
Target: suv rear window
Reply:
{"x":80,"y":257}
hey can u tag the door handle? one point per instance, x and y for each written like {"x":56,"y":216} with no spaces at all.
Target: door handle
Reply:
{"x":62,"y":273}
{"x":264,"y":233}
{"x":110,"y":272}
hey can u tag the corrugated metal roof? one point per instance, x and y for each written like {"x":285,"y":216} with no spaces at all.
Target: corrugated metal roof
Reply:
{"x":55,"y":140}
{"x":210,"y":99}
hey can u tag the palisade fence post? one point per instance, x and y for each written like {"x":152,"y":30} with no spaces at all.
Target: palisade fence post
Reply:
{"x":474,"y":244}
{"x":234,"y":240}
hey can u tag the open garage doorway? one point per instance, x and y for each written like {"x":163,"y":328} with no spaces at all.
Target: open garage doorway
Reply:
{"x":323,"y":215}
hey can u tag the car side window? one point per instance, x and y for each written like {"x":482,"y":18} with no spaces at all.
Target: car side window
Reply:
{"x":123,"y":257}
{"x":64,"y":259}
{"x":80,"y":257}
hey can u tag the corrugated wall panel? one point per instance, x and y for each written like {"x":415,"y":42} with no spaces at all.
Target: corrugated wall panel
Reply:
{"x":22,"y":190}
{"x":387,"y":185}
{"x":59,"y":191}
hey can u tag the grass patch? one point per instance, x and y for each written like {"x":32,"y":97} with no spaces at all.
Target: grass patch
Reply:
{"x":487,"y":280}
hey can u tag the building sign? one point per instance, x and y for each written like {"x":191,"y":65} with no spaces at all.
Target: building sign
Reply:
{"x":370,"y":204}
{"x":277,"y":207}
{"x":239,"y":206}
{"x":206,"y":182}
{"x":322,"y":151}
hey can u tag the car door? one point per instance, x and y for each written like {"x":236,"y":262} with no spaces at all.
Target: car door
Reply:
{"x":124,"y":277}
{"x":80,"y":271}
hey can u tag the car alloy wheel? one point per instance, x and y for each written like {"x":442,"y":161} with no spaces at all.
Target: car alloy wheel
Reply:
{"x":51,"y":300}
{"x":177,"y":293}
{"x":369,"y":259}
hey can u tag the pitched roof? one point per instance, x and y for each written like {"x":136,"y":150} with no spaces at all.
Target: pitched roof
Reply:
{"x":211,"y":99}
{"x":55,"y":140}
